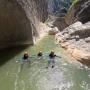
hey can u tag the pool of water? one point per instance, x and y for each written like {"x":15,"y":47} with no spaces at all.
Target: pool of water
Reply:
{"x":67,"y":74}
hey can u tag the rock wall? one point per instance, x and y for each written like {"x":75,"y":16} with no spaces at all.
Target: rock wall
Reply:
{"x":60,"y":23}
{"x":80,"y":11}
{"x":58,"y":7}
{"x":19,"y":21}
{"x":76,"y":40}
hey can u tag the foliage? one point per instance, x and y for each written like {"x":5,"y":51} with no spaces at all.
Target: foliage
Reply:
{"x":74,"y":1}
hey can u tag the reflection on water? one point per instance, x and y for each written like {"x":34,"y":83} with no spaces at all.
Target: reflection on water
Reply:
{"x":66,"y":75}
{"x":9,"y":53}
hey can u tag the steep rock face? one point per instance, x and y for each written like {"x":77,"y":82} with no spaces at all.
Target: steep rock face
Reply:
{"x":19,"y":21}
{"x":76,"y":37}
{"x":58,"y":7}
{"x":60,"y":23}
{"x":80,"y":11}
{"x":76,"y":40}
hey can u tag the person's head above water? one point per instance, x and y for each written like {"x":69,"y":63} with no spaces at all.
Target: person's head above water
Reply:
{"x":52,"y":51}
{"x":26,"y":52}
{"x":40,"y":51}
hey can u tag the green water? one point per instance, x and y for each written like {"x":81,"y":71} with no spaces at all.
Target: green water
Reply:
{"x":67,"y":74}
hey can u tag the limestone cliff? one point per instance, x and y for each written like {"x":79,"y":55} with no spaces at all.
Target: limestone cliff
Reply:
{"x":19,"y":21}
{"x":58,"y":7}
{"x":76,"y":40}
{"x":76,"y":37}
{"x":80,"y":11}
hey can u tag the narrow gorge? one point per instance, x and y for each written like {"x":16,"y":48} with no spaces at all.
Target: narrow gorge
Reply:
{"x":44,"y":44}
{"x":23,"y":22}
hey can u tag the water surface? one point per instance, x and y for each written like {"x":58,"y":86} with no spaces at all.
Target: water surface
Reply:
{"x":67,"y":74}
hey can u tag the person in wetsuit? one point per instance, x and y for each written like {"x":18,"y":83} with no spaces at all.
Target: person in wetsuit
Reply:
{"x":52,"y":58}
{"x":40,"y":54}
{"x":52,"y":55}
{"x":26,"y":56}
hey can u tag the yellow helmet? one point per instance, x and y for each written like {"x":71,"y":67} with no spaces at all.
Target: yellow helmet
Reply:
{"x":26,"y":53}
{"x":52,"y":51}
{"x":40,"y":51}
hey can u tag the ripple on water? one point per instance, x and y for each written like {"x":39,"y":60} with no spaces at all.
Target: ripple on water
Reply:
{"x":64,"y":76}
{"x":54,"y":79}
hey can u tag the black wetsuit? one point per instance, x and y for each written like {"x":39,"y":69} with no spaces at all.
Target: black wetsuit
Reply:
{"x":52,"y":59}
{"x":25,"y":56}
{"x":52,"y":55}
{"x":39,"y":54}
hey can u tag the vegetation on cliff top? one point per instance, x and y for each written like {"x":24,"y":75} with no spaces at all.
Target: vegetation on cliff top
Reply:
{"x":74,"y":1}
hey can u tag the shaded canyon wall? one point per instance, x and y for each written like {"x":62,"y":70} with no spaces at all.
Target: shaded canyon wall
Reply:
{"x":19,"y":21}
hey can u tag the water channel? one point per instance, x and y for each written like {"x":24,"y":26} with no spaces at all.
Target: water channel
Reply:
{"x":67,"y":74}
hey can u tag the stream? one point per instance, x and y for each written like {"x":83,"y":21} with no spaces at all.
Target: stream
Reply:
{"x":68,"y":74}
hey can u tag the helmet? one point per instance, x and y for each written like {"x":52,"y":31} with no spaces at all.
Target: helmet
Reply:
{"x":40,"y":51}
{"x":52,"y":51}
{"x":26,"y":53}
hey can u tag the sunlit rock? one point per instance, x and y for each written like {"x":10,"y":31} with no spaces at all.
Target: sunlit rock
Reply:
{"x":76,"y":40}
{"x":53,"y":31}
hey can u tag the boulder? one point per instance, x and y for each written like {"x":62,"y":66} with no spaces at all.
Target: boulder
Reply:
{"x":53,"y":31}
{"x":76,"y":40}
{"x":81,"y":56}
{"x":87,"y":40}
{"x":60,"y":23}
{"x":64,"y":45}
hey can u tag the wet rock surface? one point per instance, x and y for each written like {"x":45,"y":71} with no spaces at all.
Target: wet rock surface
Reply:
{"x":76,"y":40}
